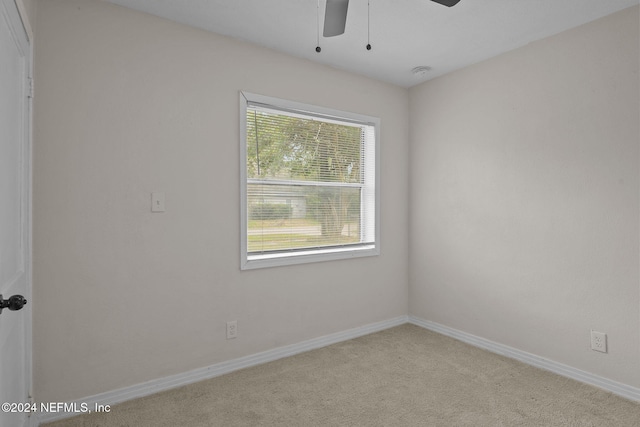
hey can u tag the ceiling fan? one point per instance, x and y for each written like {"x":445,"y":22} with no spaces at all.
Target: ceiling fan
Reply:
{"x":335,"y":17}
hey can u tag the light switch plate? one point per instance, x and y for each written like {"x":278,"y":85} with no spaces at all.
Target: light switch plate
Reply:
{"x":157,"y":202}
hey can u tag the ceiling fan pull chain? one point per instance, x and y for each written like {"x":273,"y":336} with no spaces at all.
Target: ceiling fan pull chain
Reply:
{"x":318,"y":49}
{"x":368,"y":21}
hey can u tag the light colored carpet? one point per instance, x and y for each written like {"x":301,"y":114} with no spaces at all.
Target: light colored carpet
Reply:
{"x":404,"y":376}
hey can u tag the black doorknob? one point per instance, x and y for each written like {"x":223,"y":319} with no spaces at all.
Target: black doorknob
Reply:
{"x":14,"y":303}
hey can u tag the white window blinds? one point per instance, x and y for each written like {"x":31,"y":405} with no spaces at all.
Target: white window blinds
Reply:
{"x":310,"y":182}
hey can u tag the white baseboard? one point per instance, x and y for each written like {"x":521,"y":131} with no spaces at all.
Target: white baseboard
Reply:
{"x":173,"y":381}
{"x":626,"y":391}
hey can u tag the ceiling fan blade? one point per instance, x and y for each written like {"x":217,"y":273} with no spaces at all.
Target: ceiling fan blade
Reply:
{"x":335,"y":17}
{"x":447,"y":3}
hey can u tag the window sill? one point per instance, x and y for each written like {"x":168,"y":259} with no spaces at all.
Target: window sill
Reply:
{"x":303,"y":257}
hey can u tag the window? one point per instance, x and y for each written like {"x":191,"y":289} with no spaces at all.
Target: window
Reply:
{"x":309,"y":183}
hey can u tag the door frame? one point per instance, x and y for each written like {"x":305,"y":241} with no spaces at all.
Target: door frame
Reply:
{"x":32,"y":420}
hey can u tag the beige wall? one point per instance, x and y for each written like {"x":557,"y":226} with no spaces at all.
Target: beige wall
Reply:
{"x":128,"y":104}
{"x":524,"y":198}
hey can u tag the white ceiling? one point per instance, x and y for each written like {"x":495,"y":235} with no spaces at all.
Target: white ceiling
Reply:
{"x":404,"y":33}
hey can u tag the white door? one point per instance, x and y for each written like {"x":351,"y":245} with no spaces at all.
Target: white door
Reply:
{"x":15,"y":215}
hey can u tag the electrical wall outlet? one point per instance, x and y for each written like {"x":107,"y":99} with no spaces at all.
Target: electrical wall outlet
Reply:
{"x":232,"y":329}
{"x":598,"y":341}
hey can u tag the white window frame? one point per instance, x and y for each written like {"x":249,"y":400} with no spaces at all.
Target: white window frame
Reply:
{"x":253,"y":261}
